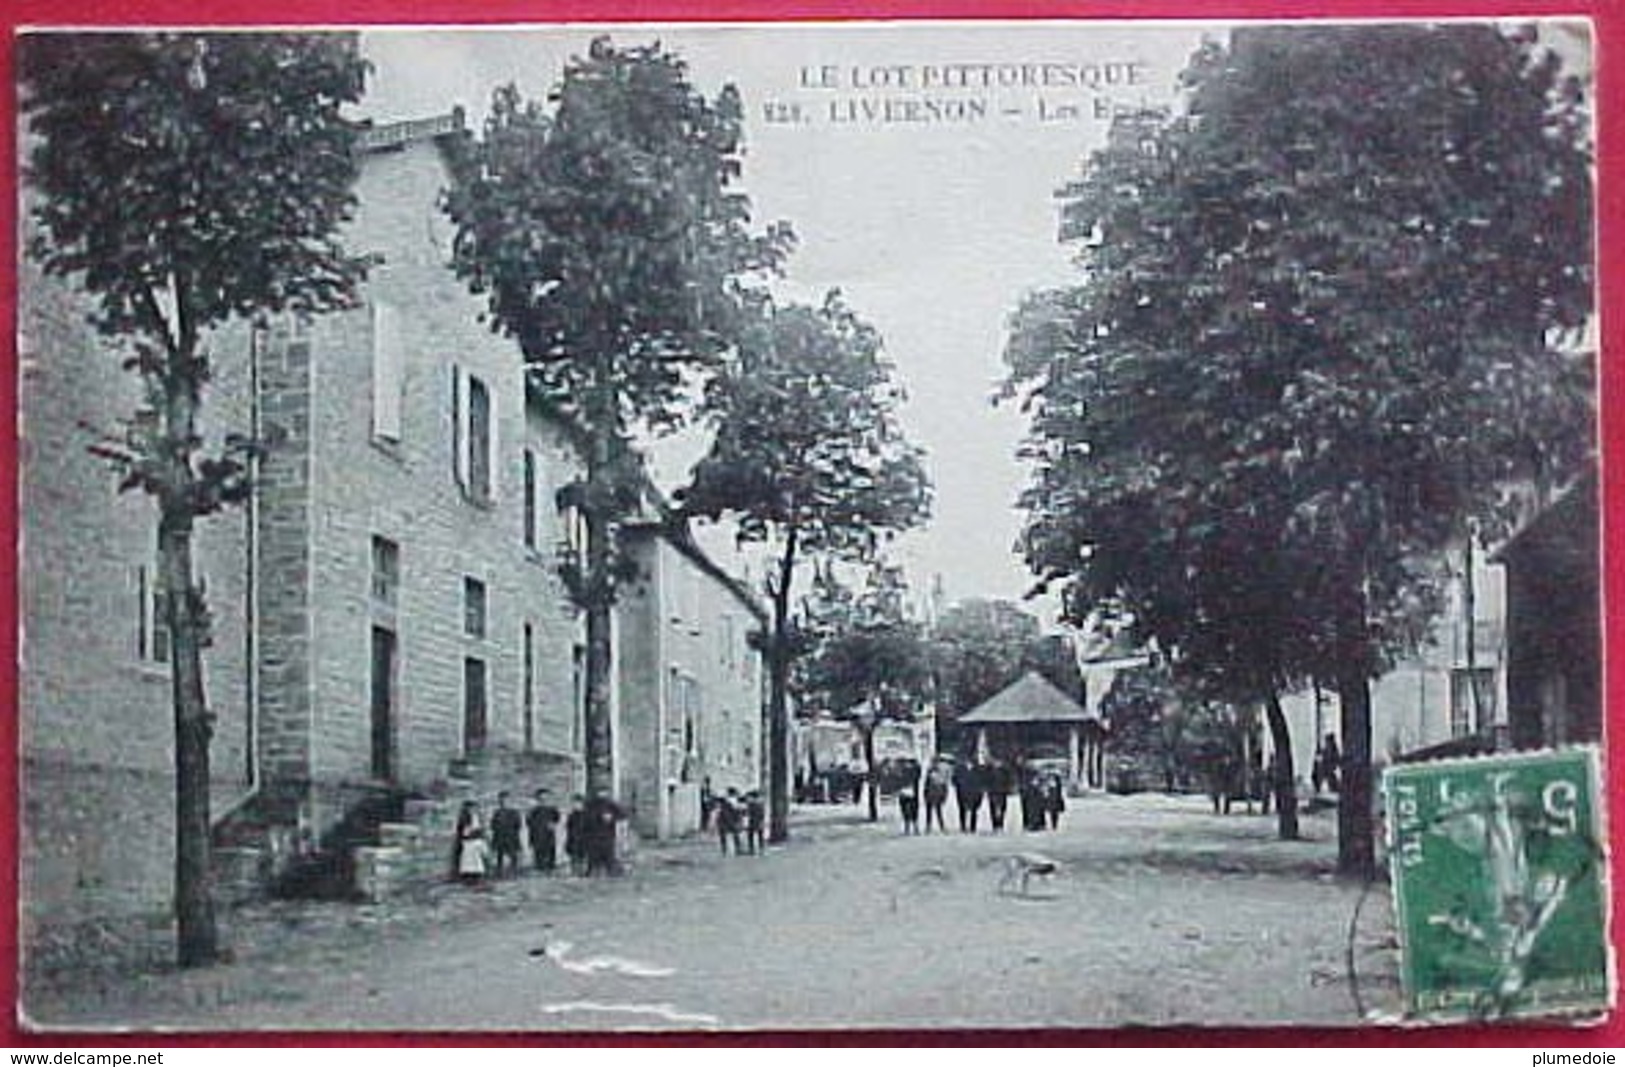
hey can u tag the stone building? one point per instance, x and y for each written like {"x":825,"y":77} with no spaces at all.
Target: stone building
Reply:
{"x":688,"y":679}
{"x":388,"y":617}
{"x":96,"y":720}
{"x":409,"y":612}
{"x":1449,"y":695}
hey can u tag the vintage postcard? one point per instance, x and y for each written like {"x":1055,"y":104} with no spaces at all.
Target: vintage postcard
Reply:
{"x":790,"y":526}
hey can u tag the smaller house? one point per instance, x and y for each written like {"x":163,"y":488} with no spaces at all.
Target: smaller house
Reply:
{"x":1031,"y":719}
{"x":689,"y":680}
{"x":1554,"y":623}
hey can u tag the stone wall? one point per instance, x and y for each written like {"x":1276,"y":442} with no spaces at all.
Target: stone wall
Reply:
{"x":96,"y":720}
{"x":405,"y":489}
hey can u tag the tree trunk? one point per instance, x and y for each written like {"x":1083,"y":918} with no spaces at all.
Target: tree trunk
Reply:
{"x":196,"y":940}
{"x":1285,"y":784}
{"x":1356,"y":846}
{"x":778,"y":699}
{"x":874,"y":778}
{"x":600,"y":741}
{"x":194,"y":901}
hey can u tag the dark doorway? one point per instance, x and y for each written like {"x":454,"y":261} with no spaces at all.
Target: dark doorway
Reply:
{"x":383,"y":703}
{"x":473,"y":706}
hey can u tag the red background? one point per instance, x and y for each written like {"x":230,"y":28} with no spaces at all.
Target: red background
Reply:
{"x":1609,"y":22}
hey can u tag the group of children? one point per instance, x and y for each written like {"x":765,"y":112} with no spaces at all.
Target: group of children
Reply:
{"x":482,"y":850}
{"x":730,"y":813}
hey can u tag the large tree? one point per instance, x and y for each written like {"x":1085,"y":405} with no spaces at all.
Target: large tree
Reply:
{"x":185,"y":180}
{"x":1320,"y":327}
{"x":808,"y":457}
{"x":606,"y":231}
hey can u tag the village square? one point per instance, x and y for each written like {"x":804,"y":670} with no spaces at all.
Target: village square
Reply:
{"x":794,"y":528}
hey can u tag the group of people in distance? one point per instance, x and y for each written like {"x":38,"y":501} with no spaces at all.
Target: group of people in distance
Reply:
{"x":1042,"y":795}
{"x":484,"y":849}
{"x":732,"y":815}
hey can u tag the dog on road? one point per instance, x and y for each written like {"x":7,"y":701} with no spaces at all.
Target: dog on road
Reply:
{"x":1021,"y":868}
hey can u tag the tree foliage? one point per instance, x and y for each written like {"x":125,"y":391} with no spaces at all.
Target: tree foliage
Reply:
{"x":867,"y":661}
{"x":606,"y":231}
{"x":808,"y":455}
{"x":866,"y":655}
{"x":807,"y":437}
{"x":184,"y":180}
{"x":1318,"y":327}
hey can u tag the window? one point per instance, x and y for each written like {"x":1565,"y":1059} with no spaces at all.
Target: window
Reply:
{"x":532,"y":488}
{"x":387,"y":360}
{"x":527,"y":686}
{"x":152,"y":623}
{"x":474,"y":444}
{"x":575,"y":535}
{"x":474,"y":692}
{"x":473,"y":607}
{"x":1472,"y":700}
{"x":386,"y":571}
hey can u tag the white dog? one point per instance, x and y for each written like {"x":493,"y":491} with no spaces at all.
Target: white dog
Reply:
{"x":1020,"y":869}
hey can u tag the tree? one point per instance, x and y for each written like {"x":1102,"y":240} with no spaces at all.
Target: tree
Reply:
{"x":808,"y":456}
{"x":1319,"y":328}
{"x":1148,"y":727}
{"x":611,"y":244}
{"x":867,"y":661}
{"x":186,"y":180}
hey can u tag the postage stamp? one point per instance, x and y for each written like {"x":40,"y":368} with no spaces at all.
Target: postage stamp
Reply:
{"x":1499,"y":877}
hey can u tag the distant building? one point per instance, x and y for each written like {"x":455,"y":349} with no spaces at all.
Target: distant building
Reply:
{"x":1031,"y":719}
{"x":1449,"y":696}
{"x":1515,"y":656}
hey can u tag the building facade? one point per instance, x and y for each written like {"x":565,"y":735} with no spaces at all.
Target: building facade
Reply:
{"x":96,"y":719}
{"x":388,"y":617}
{"x":410,"y":613}
{"x":689,"y":682}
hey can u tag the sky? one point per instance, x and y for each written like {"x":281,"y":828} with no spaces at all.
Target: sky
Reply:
{"x":934,"y":221}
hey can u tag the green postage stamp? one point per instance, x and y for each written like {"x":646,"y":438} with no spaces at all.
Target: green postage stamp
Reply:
{"x":1500,"y":885}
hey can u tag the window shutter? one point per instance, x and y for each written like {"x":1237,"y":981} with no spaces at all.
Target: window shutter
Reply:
{"x":143,"y":614}
{"x":387,"y":359}
{"x":459,"y":425}
{"x":493,"y":469}
{"x":531,"y":491}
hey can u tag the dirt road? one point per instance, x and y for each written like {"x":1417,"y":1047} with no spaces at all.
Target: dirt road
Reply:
{"x":1161,"y":914}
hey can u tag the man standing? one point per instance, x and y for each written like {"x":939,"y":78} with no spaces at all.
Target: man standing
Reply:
{"x":968,"y":788}
{"x":575,"y":836}
{"x":936,"y":796}
{"x":601,"y":816}
{"x":505,"y":836}
{"x":540,"y":823}
{"x":1000,"y":784}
